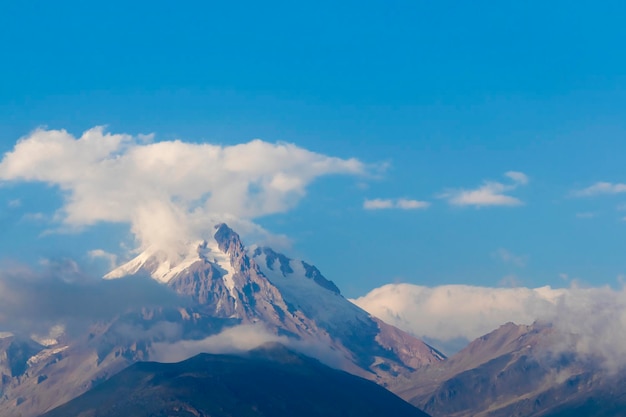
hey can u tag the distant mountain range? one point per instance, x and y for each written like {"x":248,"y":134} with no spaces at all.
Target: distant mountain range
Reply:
{"x":513,"y":371}
{"x":268,"y":381}
{"x":225,"y":289}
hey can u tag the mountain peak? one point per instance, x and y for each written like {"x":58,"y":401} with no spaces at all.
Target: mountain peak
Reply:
{"x":163,"y":266}
{"x":227,"y":239}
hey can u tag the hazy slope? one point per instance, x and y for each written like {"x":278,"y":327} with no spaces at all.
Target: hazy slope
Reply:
{"x":513,"y":371}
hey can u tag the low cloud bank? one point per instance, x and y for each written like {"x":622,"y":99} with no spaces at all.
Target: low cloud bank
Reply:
{"x":33,"y":301}
{"x":592,"y":321}
{"x":233,"y":340}
{"x":448,"y":312}
{"x":241,"y":339}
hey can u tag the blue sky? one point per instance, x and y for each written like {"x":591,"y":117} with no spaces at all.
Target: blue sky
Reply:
{"x":445,"y":95}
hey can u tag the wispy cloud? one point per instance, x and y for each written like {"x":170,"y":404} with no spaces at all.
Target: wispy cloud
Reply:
{"x":236,"y":339}
{"x":34,"y":217}
{"x":586,"y":215}
{"x":102,"y":254}
{"x":517,"y":177}
{"x":511,"y":281}
{"x":400,"y":203}
{"x":378,"y":204}
{"x":241,"y":339}
{"x":490,"y":193}
{"x":601,"y":188}
{"x":507,"y":256}
{"x":14,"y":203}
{"x":63,"y":294}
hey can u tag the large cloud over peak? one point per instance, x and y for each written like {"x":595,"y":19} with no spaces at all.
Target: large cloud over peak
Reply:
{"x":166,"y":190}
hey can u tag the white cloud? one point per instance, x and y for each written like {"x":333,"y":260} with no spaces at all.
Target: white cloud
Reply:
{"x":405,"y":204}
{"x":243,"y":338}
{"x":236,"y":339}
{"x":14,"y":203}
{"x":455,"y":311}
{"x":590,"y":320}
{"x":507,"y":256}
{"x":601,"y":188}
{"x":510,"y":281}
{"x":518,"y":177}
{"x":102,"y":254}
{"x":491,"y":193}
{"x":166,"y":191}
{"x":34,"y":217}
{"x":586,"y":215}
{"x":400,"y":203}
{"x":378,"y":204}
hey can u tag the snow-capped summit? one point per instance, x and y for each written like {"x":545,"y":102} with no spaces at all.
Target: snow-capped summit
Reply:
{"x":205,"y":268}
{"x":163,"y":267}
{"x":289,"y":296}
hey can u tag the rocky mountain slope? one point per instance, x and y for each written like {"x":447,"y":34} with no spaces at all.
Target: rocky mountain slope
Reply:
{"x":514,"y":371}
{"x":289,"y":296}
{"x":268,"y":381}
{"x":224,"y":284}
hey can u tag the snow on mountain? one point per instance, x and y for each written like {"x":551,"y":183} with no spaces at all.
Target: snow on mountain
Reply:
{"x":300,"y":283}
{"x":290,"y":296}
{"x":212,"y":261}
{"x":308,"y":290}
{"x":161,"y":267}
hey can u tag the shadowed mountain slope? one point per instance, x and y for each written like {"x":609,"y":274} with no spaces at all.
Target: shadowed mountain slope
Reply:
{"x":515,"y":371}
{"x":269,"y":381}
